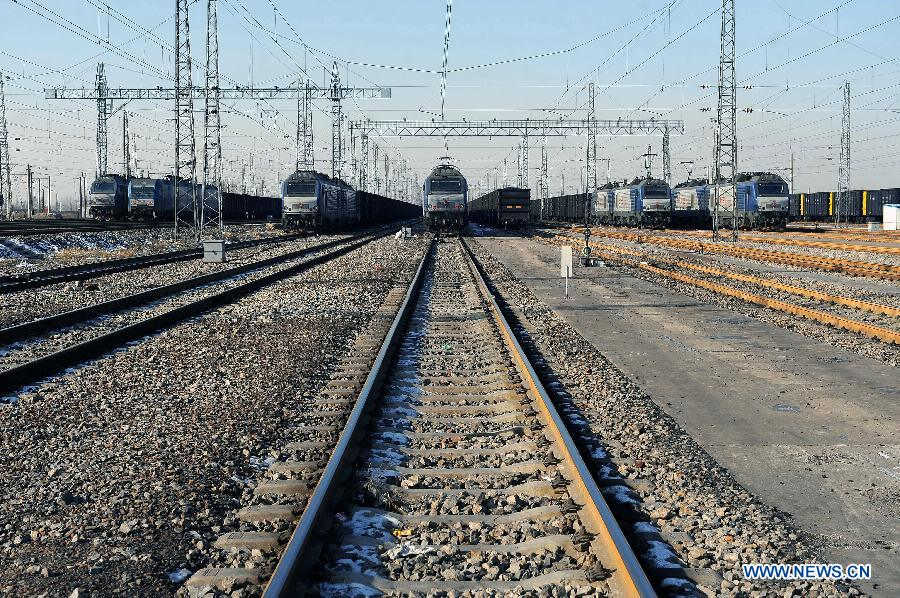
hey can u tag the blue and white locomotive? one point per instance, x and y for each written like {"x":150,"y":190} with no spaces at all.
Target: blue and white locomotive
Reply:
{"x":644,"y":202}
{"x":108,"y":197}
{"x":445,"y":196}
{"x":315,"y":200}
{"x":762,"y":201}
{"x":141,"y":196}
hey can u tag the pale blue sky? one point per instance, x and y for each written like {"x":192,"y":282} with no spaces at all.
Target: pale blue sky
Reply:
{"x":410,"y":34}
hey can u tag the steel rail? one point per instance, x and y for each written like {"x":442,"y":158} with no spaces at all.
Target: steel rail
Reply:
{"x":875,"y":308}
{"x":26,"y":330}
{"x":38,"y":369}
{"x":39,"y":278}
{"x":297,"y":557}
{"x":867,"y":269}
{"x":802,"y":243}
{"x":876,"y":332}
{"x":624,"y":560}
{"x":852,"y":325}
{"x":6,"y":232}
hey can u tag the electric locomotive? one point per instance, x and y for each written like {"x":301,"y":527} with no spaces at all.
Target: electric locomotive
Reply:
{"x":644,"y":202}
{"x":141,"y":193}
{"x":314,"y":200}
{"x":762,"y":201}
{"x":108,"y":197}
{"x":445,"y":199}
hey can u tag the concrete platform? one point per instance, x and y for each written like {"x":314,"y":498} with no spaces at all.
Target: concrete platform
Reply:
{"x":808,"y":427}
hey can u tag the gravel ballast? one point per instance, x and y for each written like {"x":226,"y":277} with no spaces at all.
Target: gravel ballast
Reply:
{"x":60,"y":297}
{"x":120,"y":472}
{"x":832,"y":283}
{"x":713,"y":522}
{"x":20,"y":254}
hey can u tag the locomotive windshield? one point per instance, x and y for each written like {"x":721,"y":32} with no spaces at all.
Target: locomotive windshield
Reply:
{"x":103,"y":186}
{"x":656,"y":191}
{"x":772,"y":189}
{"x":142,"y":190}
{"x":446,"y":186}
{"x":300,"y":188}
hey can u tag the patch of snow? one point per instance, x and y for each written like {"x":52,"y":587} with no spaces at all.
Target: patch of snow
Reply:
{"x":361,"y":559}
{"x":365,"y":522}
{"x":406,"y":549}
{"x":401,"y":412}
{"x":599,"y":453}
{"x":662,"y":556}
{"x":606,"y":472}
{"x":260,"y":463}
{"x":645,"y":527}
{"x":386,"y":456}
{"x":380,"y":474}
{"x":179,"y":576}
{"x":676,"y":582}
{"x":347,"y":590}
{"x":406,"y":390}
{"x":621,"y":494}
{"x":392,"y":438}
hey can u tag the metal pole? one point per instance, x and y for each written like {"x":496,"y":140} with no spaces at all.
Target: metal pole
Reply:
{"x":5,"y":166}
{"x":103,"y":113}
{"x":726,"y":145}
{"x":212,"y":126}
{"x":126,"y":153}
{"x":844,"y":166}
{"x":185,"y":161}
{"x":30,"y":178}
{"x":335,"y":122}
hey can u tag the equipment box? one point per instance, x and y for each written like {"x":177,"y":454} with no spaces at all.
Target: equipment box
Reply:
{"x":214,"y":251}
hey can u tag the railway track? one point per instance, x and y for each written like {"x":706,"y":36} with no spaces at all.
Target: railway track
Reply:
{"x":86,"y":333}
{"x":39,"y":278}
{"x":772,"y":240}
{"x":451,"y":469}
{"x":651,"y":263}
{"x":30,"y":228}
{"x":851,"y":267}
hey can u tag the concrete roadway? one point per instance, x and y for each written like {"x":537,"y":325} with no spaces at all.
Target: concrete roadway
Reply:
{"x":808,"y":427}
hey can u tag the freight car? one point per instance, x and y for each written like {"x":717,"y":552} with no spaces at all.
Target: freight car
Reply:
{"x":864,"y":205}
{"x":566,"y":208}
{"x":241,"y":207}
{"x":445,"y":198}
{"x":377,"y":209}
{"x":108,"y":198}
{"x":509,"y":207}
